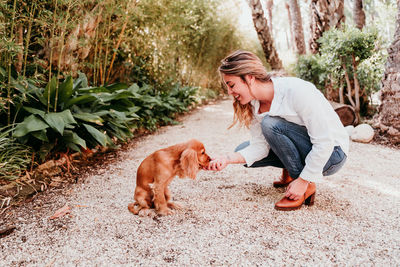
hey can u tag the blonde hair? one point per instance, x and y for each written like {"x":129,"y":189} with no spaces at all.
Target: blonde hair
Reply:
{"x":241,"y":63}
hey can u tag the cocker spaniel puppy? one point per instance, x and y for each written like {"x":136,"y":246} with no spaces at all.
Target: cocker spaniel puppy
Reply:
{"x":156,"y":172}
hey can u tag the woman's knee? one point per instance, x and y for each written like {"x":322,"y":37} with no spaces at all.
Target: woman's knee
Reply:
{"x":271,"y":125}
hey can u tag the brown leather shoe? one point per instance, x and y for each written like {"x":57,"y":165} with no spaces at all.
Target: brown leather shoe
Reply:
{"x":308,"y":199}
{"x":284,"y":181}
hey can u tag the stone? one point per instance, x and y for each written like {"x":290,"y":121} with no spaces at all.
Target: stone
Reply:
{"x":363,"y":133}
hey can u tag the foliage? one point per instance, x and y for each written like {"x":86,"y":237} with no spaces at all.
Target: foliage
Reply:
{"x":14,"y":90}
{"x":370,"y":72}
{"x":310,"y":68}
{"x":14,"y":157}
{"x":164,"y":49}
{"x":157,"y":42}
{"x":348,"y":52}
{"x":74,"y":115}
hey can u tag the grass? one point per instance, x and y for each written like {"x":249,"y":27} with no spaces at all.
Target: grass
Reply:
{"x":14,"y":157}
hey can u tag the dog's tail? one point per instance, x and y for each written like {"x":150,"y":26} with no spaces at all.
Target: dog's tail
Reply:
{"x":134,"y":208}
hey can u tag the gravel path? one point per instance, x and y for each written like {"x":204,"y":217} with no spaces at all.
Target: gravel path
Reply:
{"x":228,"y":218}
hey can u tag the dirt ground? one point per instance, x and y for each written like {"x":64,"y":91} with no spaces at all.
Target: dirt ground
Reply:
{"x":229,"y":216}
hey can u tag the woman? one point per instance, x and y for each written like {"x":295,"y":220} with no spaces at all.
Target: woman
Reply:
{"x":292,"y":127}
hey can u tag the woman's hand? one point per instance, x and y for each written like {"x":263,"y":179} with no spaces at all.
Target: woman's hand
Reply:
{"x":217,"y":164}
{"x":296,"y":189}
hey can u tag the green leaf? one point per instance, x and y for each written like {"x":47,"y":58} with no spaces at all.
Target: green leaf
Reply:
{"x":72,"y":137}
{"x":39,"y":112}
{"x":80,"y":82}
{"x":55,"y":121}
{"x":134,"y":109}
{"x":41,"y":135}
{"x":67,"y":117}
{"x":89,"y":118}
{"x":93,"y":90}
{"x":101,"y":113}
{"x":83,"y":99}
{"x":73,"y":147}
{"x":65,"y":90}
{"x":134,"y":88}
{"x":118,"y":115}
{"x":50,"y":89}
{"x":3,"y":72}
{"x":30,"y":124}
{"x":99,"y":136}
{"x":107,"y":97}
{"x":59,"y":120}
{"x":116,"y":86}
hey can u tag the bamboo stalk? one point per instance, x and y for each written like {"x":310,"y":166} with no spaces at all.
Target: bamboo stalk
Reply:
{"x":118,"y":42}
{"x":100,"y":72}
{"x":51,"y":53}
{"x":95,"y":57}
{"x":106,"y":54}
{"x":100,"y":49}
{"x":20,"y":43}
{"x":51,"y":38}
{"x":61,"y":52}
{"x":9,"y":67}
{"x":28,"y":35}
{"x":99,"y":69}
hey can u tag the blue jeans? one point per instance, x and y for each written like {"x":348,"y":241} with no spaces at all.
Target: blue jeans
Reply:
{"x":290,"y":145}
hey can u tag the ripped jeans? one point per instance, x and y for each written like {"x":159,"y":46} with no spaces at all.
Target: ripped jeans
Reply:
{"x":290,"y":145}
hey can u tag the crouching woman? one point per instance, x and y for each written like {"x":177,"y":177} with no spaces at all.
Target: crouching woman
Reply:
{"x":292,"y":127}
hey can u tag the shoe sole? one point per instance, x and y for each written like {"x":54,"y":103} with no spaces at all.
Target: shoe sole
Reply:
{"x":307,"y":202}
{"x":288,"y":209}
{"x":279,"y":185}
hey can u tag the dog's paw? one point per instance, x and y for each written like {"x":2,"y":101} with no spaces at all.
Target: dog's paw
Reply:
{"x":175,"y":206}
{"x":146,"y":213}
{"x":165,"y":212}
{"x":134,"y":208}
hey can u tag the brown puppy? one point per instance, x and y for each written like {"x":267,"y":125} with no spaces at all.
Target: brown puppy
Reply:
{"x":156,"y":172}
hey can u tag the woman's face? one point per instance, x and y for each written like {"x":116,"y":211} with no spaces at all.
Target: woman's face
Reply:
{"x":237,"y":88}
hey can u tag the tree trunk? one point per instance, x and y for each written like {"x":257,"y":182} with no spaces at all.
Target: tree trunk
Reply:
{"x":263,"y":32}
{"x":269,"y":5}
{"x":389,"y":110}
{"x":290,"y":27}
{"x":356,"y":86}
{"x":358,"y":14}
{"x":324,"y":14}
{"x":297,"y":26}
{"x":339,"y":15}
{"x":349,"y":88}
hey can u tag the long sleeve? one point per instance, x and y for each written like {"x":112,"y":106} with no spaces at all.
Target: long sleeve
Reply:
{"x":258,"y":148}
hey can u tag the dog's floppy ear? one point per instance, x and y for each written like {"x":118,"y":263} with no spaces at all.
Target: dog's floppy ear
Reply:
{"x":189,"y":163}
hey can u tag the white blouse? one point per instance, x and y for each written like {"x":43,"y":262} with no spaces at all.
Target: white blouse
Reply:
{"x":300,"y":102}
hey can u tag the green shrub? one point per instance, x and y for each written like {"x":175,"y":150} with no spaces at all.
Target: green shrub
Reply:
{"x":311,"y":68}
{"x":74,"y":115}
{"x":349,"y":59}
{"x":14,"y":157}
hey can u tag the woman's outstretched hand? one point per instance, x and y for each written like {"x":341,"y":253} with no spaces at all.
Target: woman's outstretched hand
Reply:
{"x":218,"y":164}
